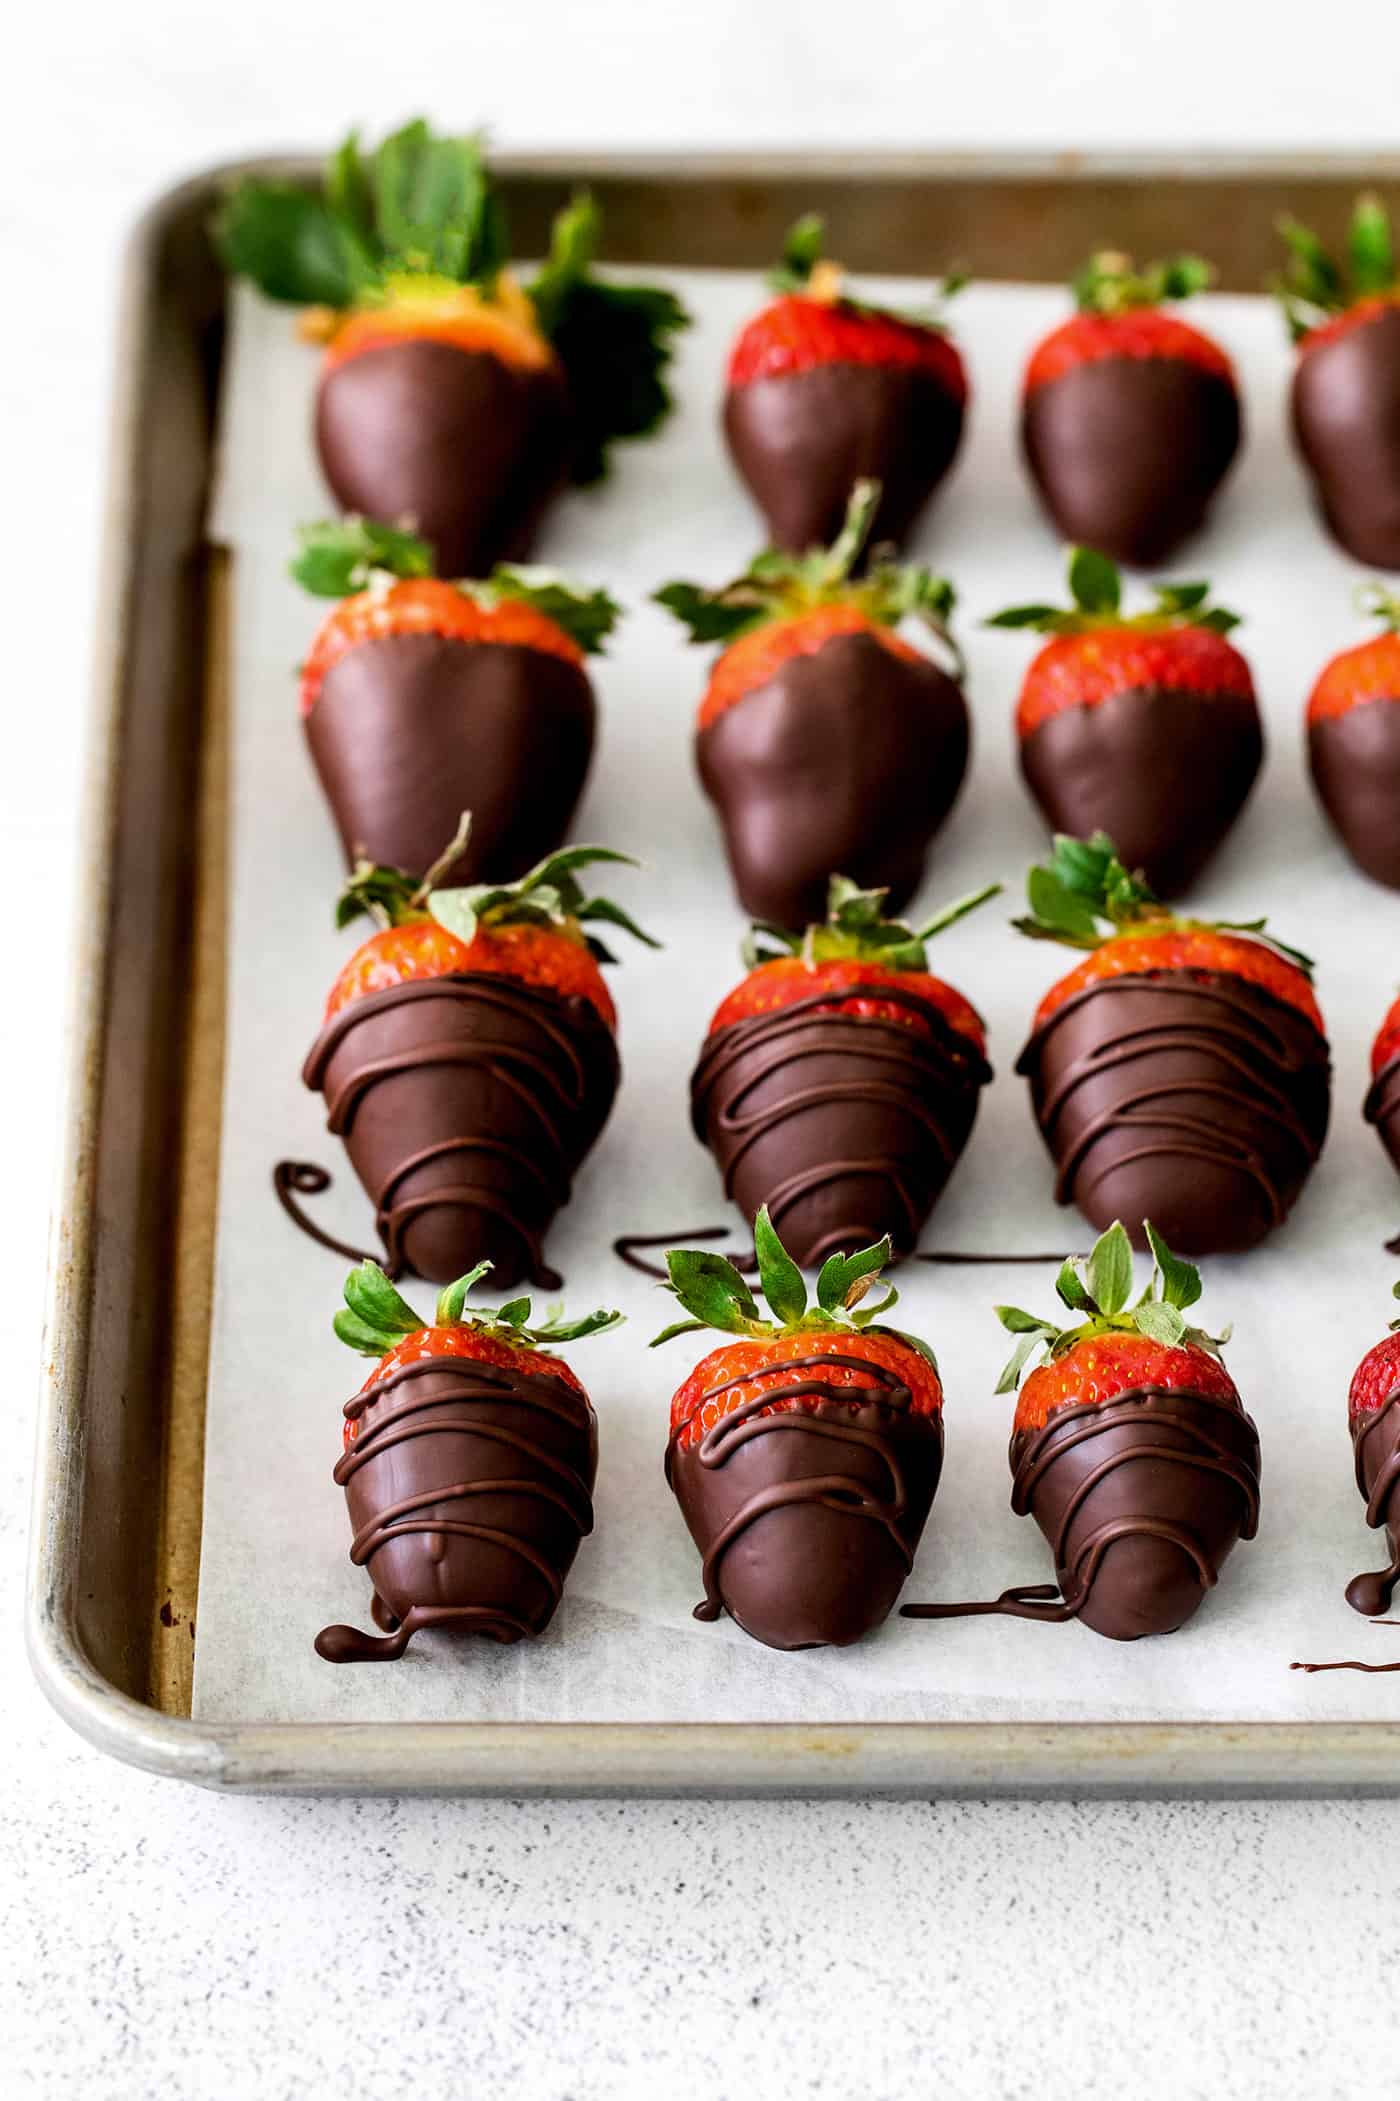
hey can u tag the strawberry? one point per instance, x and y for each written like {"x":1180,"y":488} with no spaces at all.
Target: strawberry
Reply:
{"x":823,"y":392}
{"x":1130,"y":1448}
{"x":1346,"y":382}
{"x":422,"y":698}
{"x":1373,"y":1417}
{"x":1181,"y":1071}
{"x":1130,"y":418}
{"x":804,"y":1454}
{"x":452,"y":396}
{"x":1353,"y":725}
{"x":825,"y":739}
{"x":1144,"y":726}
{"x":468,"y":1462}
{"x":838,"y":1083}
{"x":1382,"y":1104}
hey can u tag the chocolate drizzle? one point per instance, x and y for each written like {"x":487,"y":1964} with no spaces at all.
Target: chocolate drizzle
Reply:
{"x":1382,"y":1108}
{"x":1192,"y":1098}
{"x":1355,"y":760}
{"x":847,"y":1127}
{"x":1375,"y":1436}
{"x":626,"y":1247}
{"x":293,"y":1178}
{"x":469,"y":1487}
{"x":1346,"y":417}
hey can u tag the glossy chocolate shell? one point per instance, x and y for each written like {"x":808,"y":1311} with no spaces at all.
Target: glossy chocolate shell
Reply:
{"x":1346,"y":417}
{"x":1355,"y":760}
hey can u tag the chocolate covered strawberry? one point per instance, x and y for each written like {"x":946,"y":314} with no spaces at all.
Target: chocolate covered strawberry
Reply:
{"x":826,"y":739}
{"x":1131,"y":1449}
{"x":1354,"y":741}
{"x":805,"y":1451}
{"x":1180,"y":1072}
{"x":1346,"y":383}
{"x":824,"y":391}
{"x":838,"y":1082}
{"x":1382,"y":1105}
{"x":468,"y":1465}
{"x":422,"y":698}
{"x":1130,"y":418}
{"x":1373,"y":1417}
{"x":467,"y":1059}
{"x":452,"y":398}
{"x":1144,"y":726}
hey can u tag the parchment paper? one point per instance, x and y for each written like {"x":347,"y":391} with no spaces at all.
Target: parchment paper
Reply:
{"x":623,"y":1644}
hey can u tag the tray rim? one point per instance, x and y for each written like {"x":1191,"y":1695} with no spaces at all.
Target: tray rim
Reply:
{"x":557,"y":1758}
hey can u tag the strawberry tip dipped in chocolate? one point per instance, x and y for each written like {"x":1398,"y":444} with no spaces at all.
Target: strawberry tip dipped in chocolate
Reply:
{"x":825,"y":739}
{"x":1353,"y":729}
{"x":1130,"y":417}
{"x":421,"y":698}
{"x":1180,"y":1072}
{"x":824,"y":391}
{"x":468,"y":1462}
{"x":1382,"y":1104}
{"x":839,"y":1080}
{"x":1373,"y":1418}
{"x":1345,"y":322}
{"x":805,"y":1451}
{"x":1141,"y":725}
{"x":452,"y":396}
{"x":1131,"y":1449}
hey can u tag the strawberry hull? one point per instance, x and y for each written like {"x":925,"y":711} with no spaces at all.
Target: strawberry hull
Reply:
{"x":1355,"y":760}
{"x":1346,"y":418}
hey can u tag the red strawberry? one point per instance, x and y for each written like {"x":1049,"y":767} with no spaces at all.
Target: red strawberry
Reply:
{"x":1382,"y":1104}
{"x":824,"y":392}
{"x":1144,"y":727}
{"x":805,"y":1455}
{"x":839,"y":1081}
{"x":1130,"y":418}
{"x":825,"y":740}
{"x":468,"y":1465}
{"x":1373,"y":1416}
{"x":1181,"y":1071}
{"x":1354,"y":742}
{"x":1346,"y":384}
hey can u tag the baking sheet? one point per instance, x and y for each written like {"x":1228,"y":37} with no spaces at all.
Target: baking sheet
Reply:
{"x":623,"y":1645}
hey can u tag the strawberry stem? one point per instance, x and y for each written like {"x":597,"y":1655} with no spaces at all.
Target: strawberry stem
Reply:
{"x":375,"y":1318}
{"x":1095,"y":585}
{"x":855,"y":927}
{"x":1099,"y":1286}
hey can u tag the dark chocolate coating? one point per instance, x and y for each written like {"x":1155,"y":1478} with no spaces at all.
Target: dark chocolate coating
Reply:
{"x":801,"y":440}
{"x":1164,"y":773}
{"x":1355,"y":760}
{"x":1382,"y":1108}
{"x":1192,"y":1098}
{"x":466,"y":1103}
{"x":466,"y":447}
{"x":410,"y":731}
{"x":1127,"y":452}
{"x":1375,"y":1436}
{"x":846,"y":1127}
{"x":1346,"y":417}
{"x":849,"y":758}
{"x":808,"y":1522}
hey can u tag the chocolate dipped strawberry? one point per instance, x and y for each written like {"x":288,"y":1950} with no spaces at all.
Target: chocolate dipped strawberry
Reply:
{"x":452,"y":398}
{"x":826,"y":739}
{"x":468,"y":1061}
{"x":1373,"y":1417}
{"x":838,"y":1082}
{"x":824,"y":391}
{"x":1354,"y":741}
{"x":1144,"y":726}
{"x":468,"y":1465}
{"x":805,"y":1451}
{"x":1382,"y":1105}
{"x":422,"y":698}
{"x":1180,"y":1072}
{"x":1130,"y":418}
{"x":1131,"y":1449}
{"x":1346,"y":383}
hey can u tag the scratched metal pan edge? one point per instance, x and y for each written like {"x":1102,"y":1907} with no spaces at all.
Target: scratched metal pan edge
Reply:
{"x":114,"y":1536}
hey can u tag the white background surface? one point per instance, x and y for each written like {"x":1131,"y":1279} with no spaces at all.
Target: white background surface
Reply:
{"x":162,"y":1943}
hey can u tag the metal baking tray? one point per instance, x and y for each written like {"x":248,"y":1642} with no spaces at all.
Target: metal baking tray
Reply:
{"x":116,"y":1533}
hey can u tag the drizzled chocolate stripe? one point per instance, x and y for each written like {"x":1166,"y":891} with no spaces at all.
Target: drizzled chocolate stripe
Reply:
{"x":1382,"y":1108}
{"x":1375,"y":1440}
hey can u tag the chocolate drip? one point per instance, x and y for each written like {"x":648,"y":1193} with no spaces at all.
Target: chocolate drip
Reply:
{"x":1192,"y":1098}
{"x":850,"y":758}
{"x":847,"y":1127}
{"x":1346,"y":417}
{"x":1375,"y":1437}
{"x":1355,"y":760}
{"x":293,"y":1178}
{"x":1375,"y":1669}
{"x":469,"y":1487}
{"x":466,"y":1103}
{"x":626,"y":1245}
{"x":1382,"y":1108}
{"x":807,"y":1520}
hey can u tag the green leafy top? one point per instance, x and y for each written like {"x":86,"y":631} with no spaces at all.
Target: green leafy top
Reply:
{"x":778,"y":586}
{"x":1096,"y":586}
{"x":1083,"y":896}
{"x":806,"y":270}
{"x":855,"y":926}
{"x":1108,"y":283}
{"x":715,"y":1294}
{"x":1377,"y":603}
{"x":1312,"y":286}
{"x":375,"y":1319}
{"x":339,"y":556}
{"x":1098,"y":1288}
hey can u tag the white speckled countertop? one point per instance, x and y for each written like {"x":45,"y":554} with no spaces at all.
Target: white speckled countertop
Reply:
{"x":161,"y":1942}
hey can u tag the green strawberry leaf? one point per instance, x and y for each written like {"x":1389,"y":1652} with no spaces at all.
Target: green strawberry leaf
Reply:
{"x":1175,"y":1280}
{"x":1094,"y":581}
{"x":803,"y":248}
{"x":1071,"y":1290}
{"x":779,"y":1277}
{"x":709,"y":615}
{"x":292,"y":246}
{"x":843,"y":1280}
{"x":338,"y":556}
{"x":1370,"y":248}
{"x":678,"y":1327}
{"x":587,"y":617}
{"x":1110,"y":1271}
{"x":453,"y":1297}
{"x":1164,"y":1324}
{"x":712,"y":1291}
{"x":375,"y":1317}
